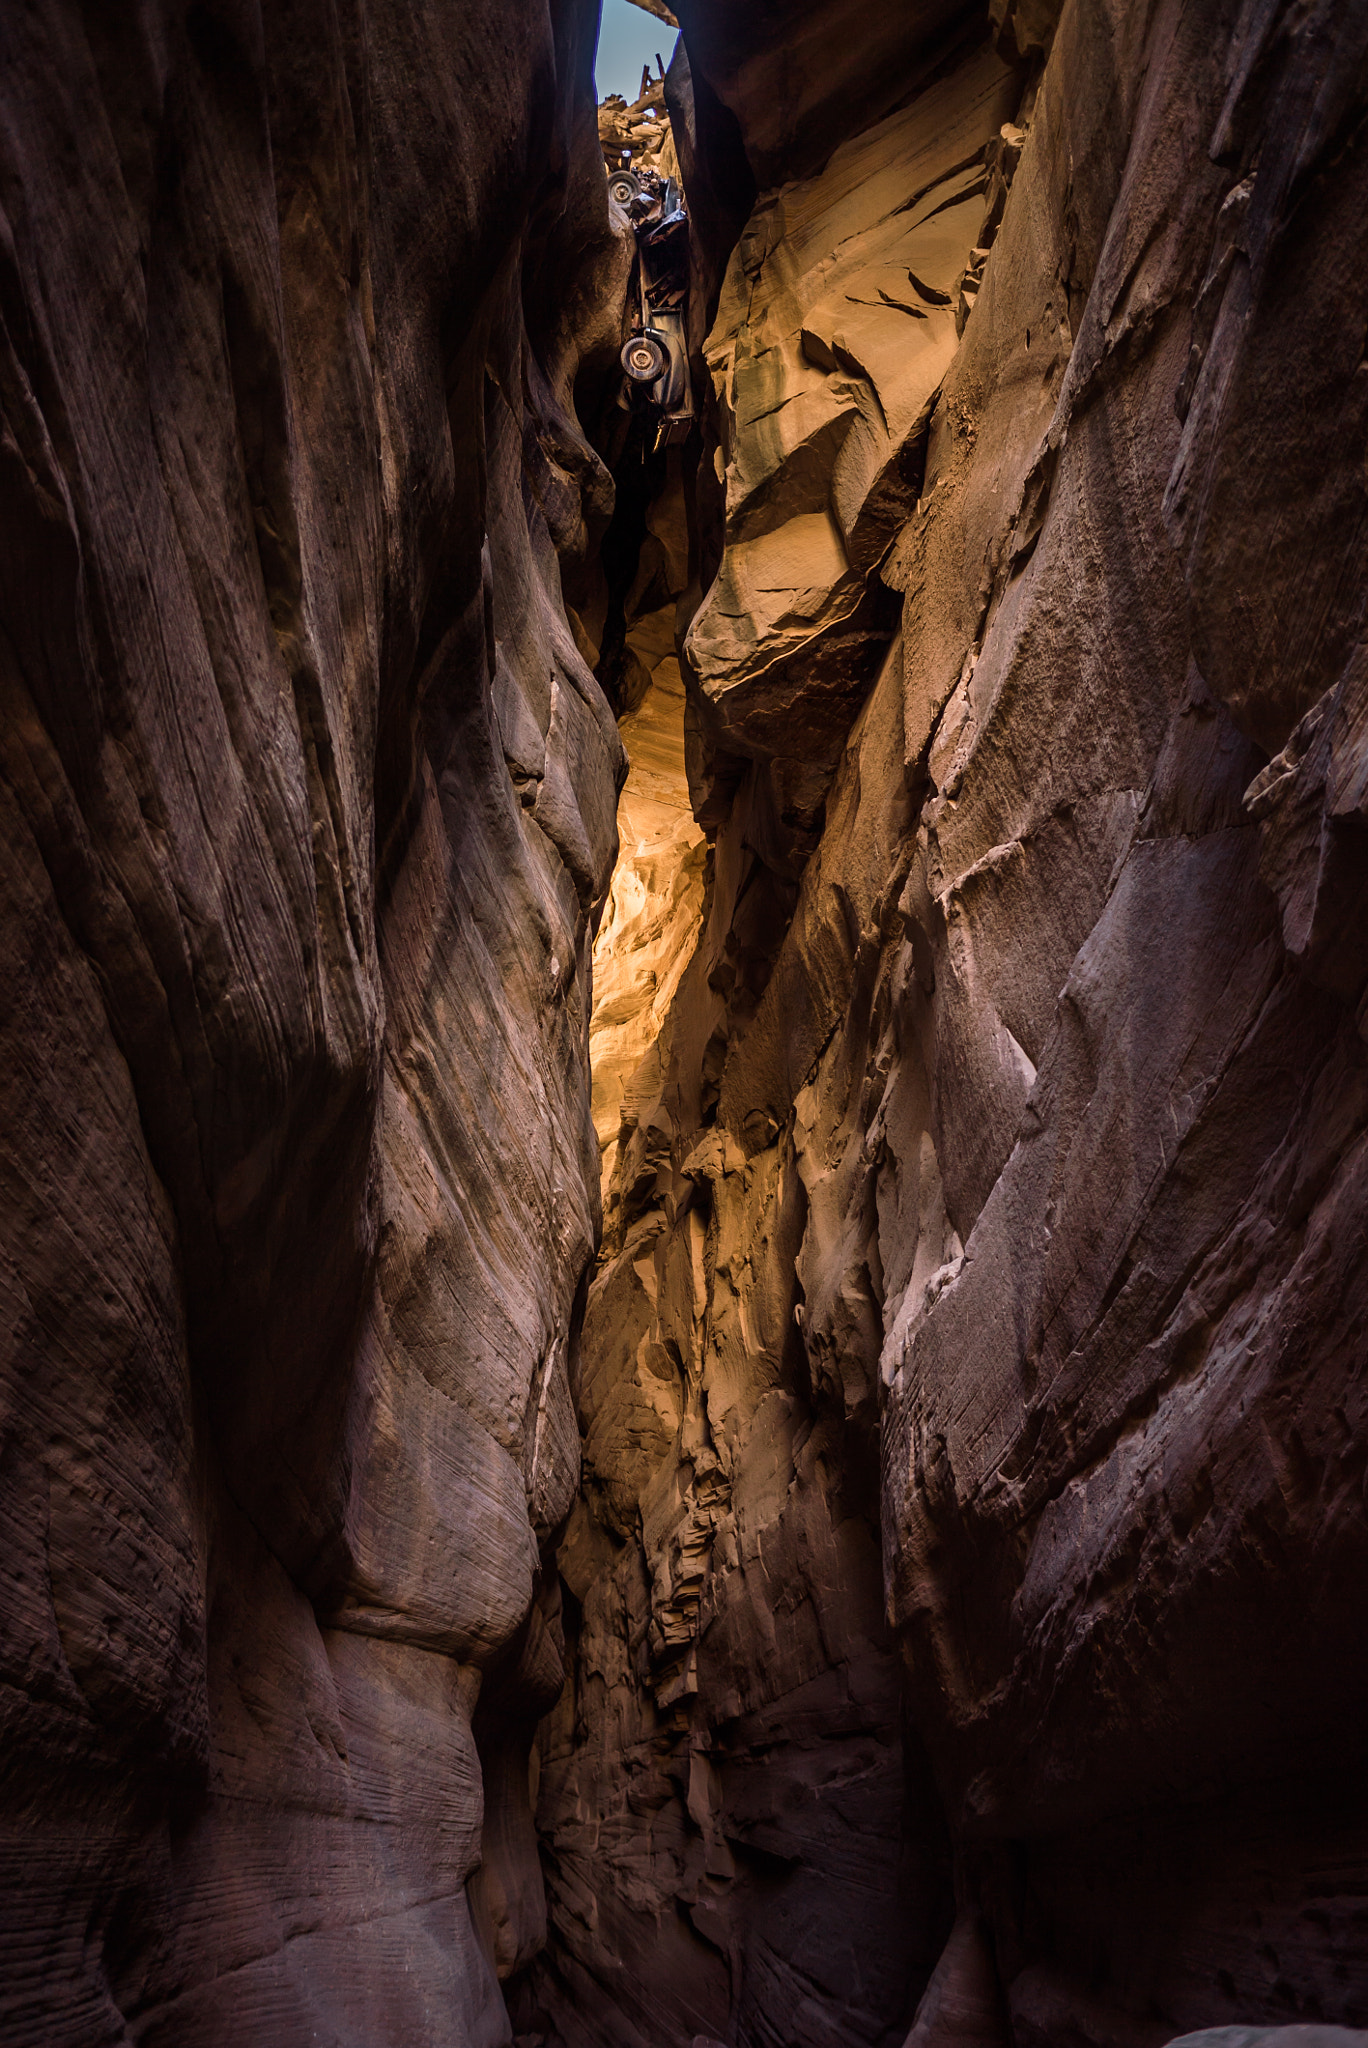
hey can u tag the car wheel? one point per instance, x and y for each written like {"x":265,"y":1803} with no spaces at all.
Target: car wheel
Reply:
{"x":623,"y":187}
{"x":645,"y":358}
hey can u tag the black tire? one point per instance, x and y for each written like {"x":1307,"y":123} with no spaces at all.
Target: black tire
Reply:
{"x":646,"y":358}
{"x":623,"y":187}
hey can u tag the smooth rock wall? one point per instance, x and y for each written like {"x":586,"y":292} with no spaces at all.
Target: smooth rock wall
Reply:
{"x":308,"y":804}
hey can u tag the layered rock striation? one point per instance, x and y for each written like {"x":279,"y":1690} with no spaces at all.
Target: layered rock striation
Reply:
{"x":309,"y":806}
{"x":929,"y":1526}
{"x":976,"y":1336}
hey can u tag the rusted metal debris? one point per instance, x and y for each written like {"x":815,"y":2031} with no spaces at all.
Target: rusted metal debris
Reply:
{"x":644,"y":180}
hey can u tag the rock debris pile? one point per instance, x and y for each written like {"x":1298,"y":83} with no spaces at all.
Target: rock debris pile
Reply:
{"x":638,"y":138}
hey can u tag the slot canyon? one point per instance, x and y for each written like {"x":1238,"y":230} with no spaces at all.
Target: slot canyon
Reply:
{"x":685,"y":1049}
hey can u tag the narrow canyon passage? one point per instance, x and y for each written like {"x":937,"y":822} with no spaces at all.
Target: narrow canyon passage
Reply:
{"x":932,"y":949}
{"x":683,"y":1054}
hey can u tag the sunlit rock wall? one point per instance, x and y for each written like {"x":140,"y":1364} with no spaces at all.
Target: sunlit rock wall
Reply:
{"x":738,"y":1840}
{"x":650,"y":921}
{"x":308,"y":805}
{"x":837,"y":324}
{"x":1004,"y":1136}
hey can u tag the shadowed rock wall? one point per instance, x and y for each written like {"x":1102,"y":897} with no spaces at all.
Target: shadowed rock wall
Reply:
{"x":963,"y":1583}
{"x":992,"y":1195}
{"x":308,"y":804}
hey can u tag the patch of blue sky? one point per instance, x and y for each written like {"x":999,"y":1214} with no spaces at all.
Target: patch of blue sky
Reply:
{"x":629,"y":38}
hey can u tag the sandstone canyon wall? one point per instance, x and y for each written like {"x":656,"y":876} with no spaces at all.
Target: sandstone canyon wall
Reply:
{"x":979,"y":1330}
{"x":309,"y":804}
{"x":930,"y":1529}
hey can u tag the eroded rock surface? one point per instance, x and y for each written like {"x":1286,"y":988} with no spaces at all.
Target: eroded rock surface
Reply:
{"x":946,"y":1490}
{"x":836,"y":327}
{"x":650,"y":922}
{"x":309,"y":804}
{"x":1008,"y":1121}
